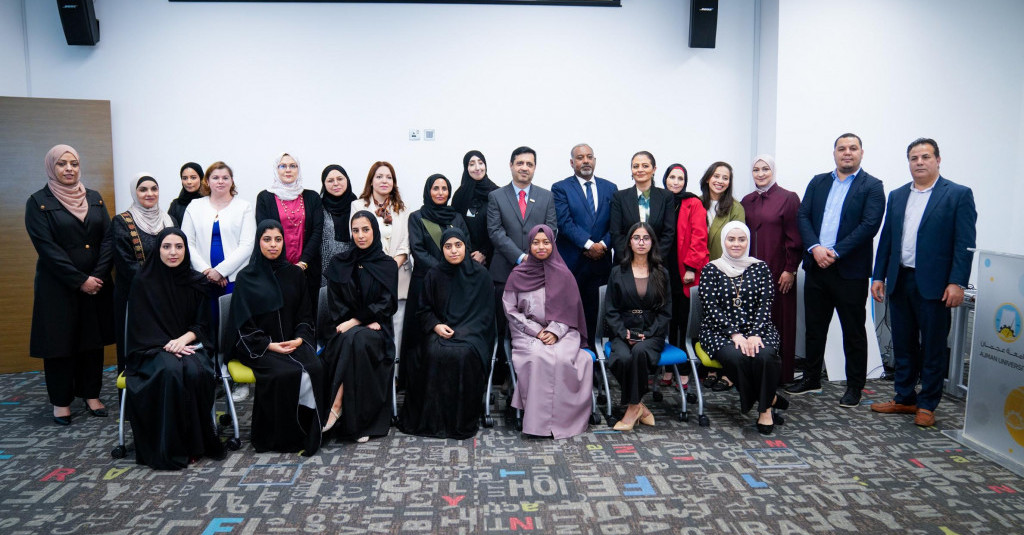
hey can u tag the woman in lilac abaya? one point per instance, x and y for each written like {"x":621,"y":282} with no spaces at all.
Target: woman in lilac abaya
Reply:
{"x":548,"y":330}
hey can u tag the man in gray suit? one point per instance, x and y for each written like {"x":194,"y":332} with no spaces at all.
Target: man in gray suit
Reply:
{"x":512,"y":211}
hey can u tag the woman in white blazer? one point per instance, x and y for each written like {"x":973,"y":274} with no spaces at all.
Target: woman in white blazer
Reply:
{"x":380,"y":196}
{"x":220,"y":228}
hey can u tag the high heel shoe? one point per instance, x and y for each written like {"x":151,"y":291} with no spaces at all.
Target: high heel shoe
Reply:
{"x":626,"y":426}
{"x":646,"y":417}
{"x":331,"y":420}
{"x":101,"y":412}
{"x":363,"y":440}
{"x":62,"y":420}
{"x":766,"y":429}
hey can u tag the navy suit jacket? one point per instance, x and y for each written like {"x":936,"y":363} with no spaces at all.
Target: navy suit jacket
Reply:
{"x":859,"y":221}
{"x":946,"y":231}
{"x":577,"y":223}
{"x":509,"y":230}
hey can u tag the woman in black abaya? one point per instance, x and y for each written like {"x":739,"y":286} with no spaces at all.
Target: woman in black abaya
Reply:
{"x":362,"y":294}
{"x":170,"y":378}
{"x":456,"y":314}
{"x":272,"y":322}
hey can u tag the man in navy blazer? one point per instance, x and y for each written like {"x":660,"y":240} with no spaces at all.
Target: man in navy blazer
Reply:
{"x":839,"y":216}
{"x":924,"y":260}
{"x":583,"y":205}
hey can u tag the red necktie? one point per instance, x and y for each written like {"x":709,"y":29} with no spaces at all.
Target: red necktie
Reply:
{"x":522,"y":203}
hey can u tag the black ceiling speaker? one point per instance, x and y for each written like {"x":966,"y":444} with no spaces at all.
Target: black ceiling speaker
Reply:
{"x":703,"y":23}
{"x":79,"y":20}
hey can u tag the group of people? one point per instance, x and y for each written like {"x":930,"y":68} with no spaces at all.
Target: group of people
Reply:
{"x":443,"y":285}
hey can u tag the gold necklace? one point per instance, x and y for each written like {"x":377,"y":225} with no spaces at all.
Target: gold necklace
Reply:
{"x":736,"y":301}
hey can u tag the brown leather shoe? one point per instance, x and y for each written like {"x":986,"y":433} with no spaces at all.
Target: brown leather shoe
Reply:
{"x":891,"y":407}
{"x":924,"y":418}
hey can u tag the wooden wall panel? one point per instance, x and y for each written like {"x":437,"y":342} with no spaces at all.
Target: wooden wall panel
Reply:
{"x":28,"y":128}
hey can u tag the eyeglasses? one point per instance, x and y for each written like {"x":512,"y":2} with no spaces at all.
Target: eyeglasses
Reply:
{"x":641,"y":239}
{"x":291,"y":166}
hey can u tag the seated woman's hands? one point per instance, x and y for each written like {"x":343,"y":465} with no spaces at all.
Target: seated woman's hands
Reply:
{"x":547,"y":337}
{"x":748,"y":345}
{"x":634,"y":337}
{"x":444,"y":331}
{"x":286,"y":347}
{"x":179,"y":347}
{"x":346,"y":325}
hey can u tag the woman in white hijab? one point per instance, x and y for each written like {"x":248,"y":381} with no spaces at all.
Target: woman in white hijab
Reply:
{"x":301,"y":216}
{"x":132,"y":235}
{"x":736,"y":328}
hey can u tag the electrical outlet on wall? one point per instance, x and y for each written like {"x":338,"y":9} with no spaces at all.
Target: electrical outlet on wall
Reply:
{"x":428,"y":134}
{"x":414,"y":134}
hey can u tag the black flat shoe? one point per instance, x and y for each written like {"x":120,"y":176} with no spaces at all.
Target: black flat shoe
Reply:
{"x":62,"y":420}
{"x":765,"y":429}
{"x":778,"y":419}
{"x":781,"y":403}
{"x":101,"y":413}
{"x":722,"y":385}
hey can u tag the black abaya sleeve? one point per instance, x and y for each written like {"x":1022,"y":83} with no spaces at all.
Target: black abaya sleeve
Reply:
{"x":304,"y":320}
{"x":435,"y":289}
{"x":201,"y":323}
{"x":252,"y":341}
{"x":120,"y":239}
{"x":419,"y":244}
{"x":315,"y":227}
{"x":379,"y":303}
{"x":338,"y":306}
{"x":102,"y":269}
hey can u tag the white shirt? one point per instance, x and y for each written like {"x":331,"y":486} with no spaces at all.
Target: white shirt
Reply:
{"x":237,"y":234}
{"x":916,"y":203}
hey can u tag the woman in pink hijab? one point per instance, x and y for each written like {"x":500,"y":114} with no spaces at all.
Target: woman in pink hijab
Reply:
{"x":72,"y":313}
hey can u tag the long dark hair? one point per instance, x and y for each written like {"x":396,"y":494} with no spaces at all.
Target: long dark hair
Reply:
{"x":657,"y":280}
{"x":725,"y":203}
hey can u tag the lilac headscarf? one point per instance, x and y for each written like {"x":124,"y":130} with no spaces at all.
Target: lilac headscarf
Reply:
{"x":562,"y":297}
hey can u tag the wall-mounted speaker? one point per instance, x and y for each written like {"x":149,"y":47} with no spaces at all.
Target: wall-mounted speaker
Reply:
{"x":79,"y":20}
{"x":703,"y":23}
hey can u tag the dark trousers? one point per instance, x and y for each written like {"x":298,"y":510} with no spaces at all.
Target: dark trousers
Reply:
{"x":825,"y":291}
{"x":680,"y":318}
{"x":501,"y":326}
{"x":920,"y":328}
{"x":78,"y":376}
{"x":756,"y":377}
{"x":590,"y":295}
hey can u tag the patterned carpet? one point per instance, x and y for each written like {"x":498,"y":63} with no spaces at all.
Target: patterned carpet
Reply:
{"x":827,"y":469}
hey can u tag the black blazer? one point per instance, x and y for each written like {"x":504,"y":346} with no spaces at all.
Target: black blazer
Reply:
{"x":859,"y":221}
{"x":266,"y":208}
{"x":626,"y":213}
{"x":425,"y":253}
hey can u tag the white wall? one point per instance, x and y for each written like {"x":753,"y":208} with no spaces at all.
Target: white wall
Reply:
{"x":895,"y":71}
{"x":344,"y":83}
{"x":12,"y":45}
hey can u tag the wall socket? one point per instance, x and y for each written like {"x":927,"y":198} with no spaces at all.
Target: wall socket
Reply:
{"x":414,"y":134}
{"x":428,"y":134}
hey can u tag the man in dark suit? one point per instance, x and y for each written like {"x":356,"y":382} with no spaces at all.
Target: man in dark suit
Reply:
{"x":583,"y":206}
{"x":659,"y":211}
{"x":513,"y":210}
{"x":839,"y":216}
{"x":924,"y":259}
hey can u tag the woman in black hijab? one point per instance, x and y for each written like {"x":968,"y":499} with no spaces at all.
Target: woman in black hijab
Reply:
{"x":170,"y":378}
{"x":456,"y":314}
{"x":191,"y":175}
{"x":336,"y":196}
{"x":362,"y":296}
{"x":470,"y":201}
{"x":426,"y":226}
{"x":272,"y":322}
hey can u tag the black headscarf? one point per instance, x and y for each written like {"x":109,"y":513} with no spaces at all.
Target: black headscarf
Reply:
{"x":373,"y":259}
{"x":338,"y":207}
{"x":682,"y":195}
{"x":442,"y":214}
{"x":163,"y":300}
{"x":470,"y":307}
{"x":256,"y":288}
{"x":470,"y":189}
{"x":184,"y":196}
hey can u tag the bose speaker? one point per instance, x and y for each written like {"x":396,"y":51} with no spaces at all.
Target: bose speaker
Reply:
{"x":79,"y":20}
{"x":703,"y":23}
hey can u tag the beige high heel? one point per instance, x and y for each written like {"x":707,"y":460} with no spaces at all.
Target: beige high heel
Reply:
{"x":623,"y":426}
{"x":331,"y":420}
{"x":646,"y":416}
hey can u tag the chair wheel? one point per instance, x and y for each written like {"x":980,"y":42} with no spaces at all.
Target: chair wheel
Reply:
{"x":225,"y":419}
{"x":233,"y":444}
{"x":703,"y":421}
{"x":691,"y":397}
{"x":488,"y":422}
{"x":119,"y":452}
{"x":595,"y":418}
{"x":658,"y":396}
{"x":684,"y":417}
